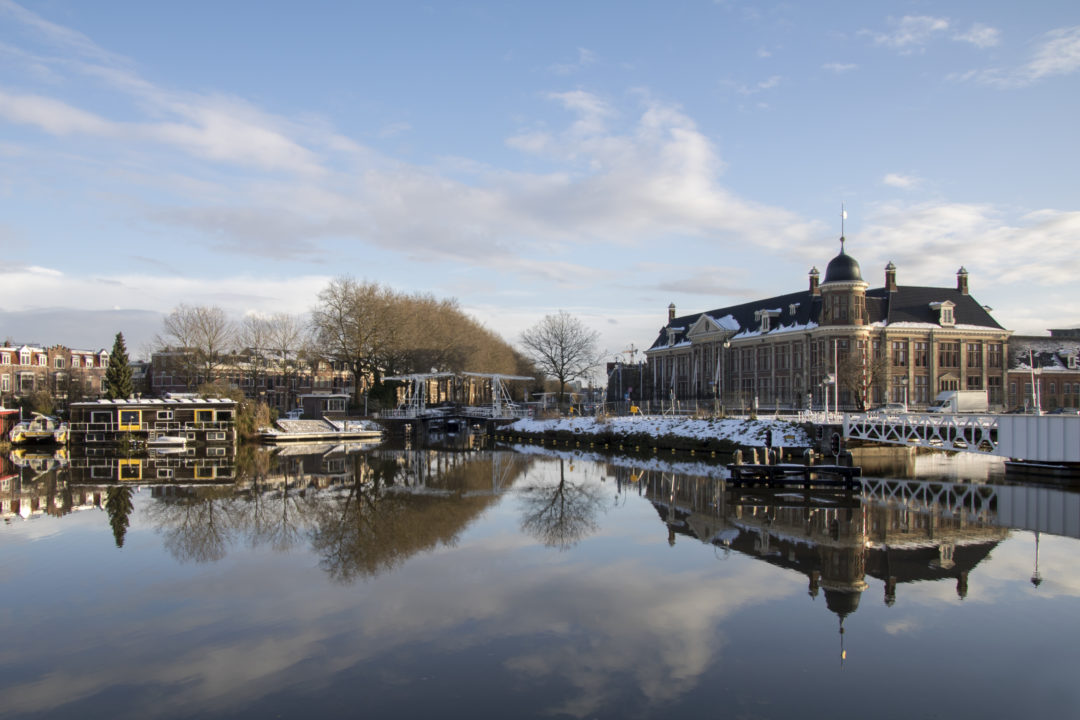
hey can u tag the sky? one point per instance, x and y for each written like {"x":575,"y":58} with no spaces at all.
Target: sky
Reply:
{"x":602,"y":158}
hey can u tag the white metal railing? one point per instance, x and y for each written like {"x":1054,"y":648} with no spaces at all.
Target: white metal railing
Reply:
{"x":82,"y":427}
{"x":941,"y":431}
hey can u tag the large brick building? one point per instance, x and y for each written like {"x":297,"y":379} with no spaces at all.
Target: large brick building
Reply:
{"x":894,"y":343}
{"x":64,"y":373}
{"x":1044,"y":371}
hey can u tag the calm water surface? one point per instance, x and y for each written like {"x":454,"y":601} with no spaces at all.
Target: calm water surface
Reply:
{"x":529,"y":583}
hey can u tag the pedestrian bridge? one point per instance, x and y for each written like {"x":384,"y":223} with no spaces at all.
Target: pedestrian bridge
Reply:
{"x":1034,"y":438}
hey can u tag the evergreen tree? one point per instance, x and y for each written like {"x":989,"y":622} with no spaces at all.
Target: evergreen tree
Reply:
{"x":118,"y":385}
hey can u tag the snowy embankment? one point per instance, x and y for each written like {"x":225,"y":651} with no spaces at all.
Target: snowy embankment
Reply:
{"x":665,"y":429}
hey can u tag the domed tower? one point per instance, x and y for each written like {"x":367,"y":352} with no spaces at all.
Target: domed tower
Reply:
{"x":843,"y":292}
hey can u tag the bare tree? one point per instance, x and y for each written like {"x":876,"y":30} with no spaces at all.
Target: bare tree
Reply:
{"x":351,"y":323}
{"x":859,"y":373}
{"x":288,"y":339}
{"x":252,"y":338}
{"x":201,"y":337}
{"x":562,"y":347}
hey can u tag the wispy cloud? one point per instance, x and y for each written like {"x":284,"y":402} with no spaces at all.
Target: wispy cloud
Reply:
{"x":909,"y":33}
{"x":767,"y":84}
{"x":901,"y":181}
{"x":840,"y":68}
{"x":1039,"y":244}
{"x":585,"y":57}
{"x":1058,"y":53}
{"x":979,"y":35}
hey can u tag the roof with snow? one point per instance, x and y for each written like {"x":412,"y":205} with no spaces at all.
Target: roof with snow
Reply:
{"x":1046,"y":354}
{"x":908,"y":306}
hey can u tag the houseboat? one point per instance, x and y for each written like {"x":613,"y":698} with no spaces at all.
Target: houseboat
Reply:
{"x":39,"y":429}
{"x":202,"y":421}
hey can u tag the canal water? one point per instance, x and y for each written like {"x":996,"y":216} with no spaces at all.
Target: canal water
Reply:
{"x":519,"y":582}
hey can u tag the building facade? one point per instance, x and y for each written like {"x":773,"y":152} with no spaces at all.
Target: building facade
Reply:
{"x":279,"y":385}
{"x":1044,"y":372}
{"x":65,"y":373}
{"x":837,"y":341}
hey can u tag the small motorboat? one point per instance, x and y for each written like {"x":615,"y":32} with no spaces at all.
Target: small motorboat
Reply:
{"x":39,"y":429}
{"x":167,"y":441}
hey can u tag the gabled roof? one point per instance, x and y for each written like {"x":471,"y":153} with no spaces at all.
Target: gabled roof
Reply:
{"x":740,"y":319}
{"x":908,"y":304}
{"x":911,"y":304}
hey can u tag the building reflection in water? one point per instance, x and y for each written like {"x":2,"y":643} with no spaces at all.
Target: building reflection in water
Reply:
{"x":835,"y":538}
{"x":364,"y":509}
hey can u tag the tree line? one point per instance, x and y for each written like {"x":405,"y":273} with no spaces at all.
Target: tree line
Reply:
{"x":368,"y":329}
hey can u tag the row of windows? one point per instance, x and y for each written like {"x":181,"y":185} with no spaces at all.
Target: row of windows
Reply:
{"x":42,"y":360}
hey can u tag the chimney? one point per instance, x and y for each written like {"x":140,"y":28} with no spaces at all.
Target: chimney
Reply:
{"x":814,"y":275}
{"x":671,"y":312}
{"x":890,"y":277}
{"x":962,"y":281}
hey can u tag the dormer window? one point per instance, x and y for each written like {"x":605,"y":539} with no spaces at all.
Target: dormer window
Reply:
{"x":764,"y":318}
{"x":793,"y":308}
{"x":1074,"y":362}
{"x":945,"y":313}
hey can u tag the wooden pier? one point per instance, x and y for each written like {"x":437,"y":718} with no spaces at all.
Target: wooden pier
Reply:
{"x":794,"y":476}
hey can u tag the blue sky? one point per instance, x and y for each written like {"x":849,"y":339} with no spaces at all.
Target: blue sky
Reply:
{"x":605,"y":158}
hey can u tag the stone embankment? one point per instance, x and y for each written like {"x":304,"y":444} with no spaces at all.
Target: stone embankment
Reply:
{"x":655,"y":432}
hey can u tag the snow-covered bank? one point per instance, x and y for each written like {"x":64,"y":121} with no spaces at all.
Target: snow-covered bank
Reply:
{"x":739,"y":431}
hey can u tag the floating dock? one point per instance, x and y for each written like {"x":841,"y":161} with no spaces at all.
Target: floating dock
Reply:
{"x":792,"y":475}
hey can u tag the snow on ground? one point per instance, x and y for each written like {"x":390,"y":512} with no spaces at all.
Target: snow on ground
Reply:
{"x":738,"y":430}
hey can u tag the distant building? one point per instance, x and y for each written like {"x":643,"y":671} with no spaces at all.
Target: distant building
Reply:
{"x":279,"y":385}
{"x":1044,"y":371}
{"x":67,"y":374}
{"x":895,"y":343}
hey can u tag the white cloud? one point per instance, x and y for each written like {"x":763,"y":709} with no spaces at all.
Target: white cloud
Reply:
{"x":839,"y":68}
{"x":1005,"y":257}
{"x":585,"y":57}
{"x":980,"y":35}
{"x":1058,"y":53}
{"x":909,"y":33}
{"x":767,"y":84}
{"x":901,"y":181}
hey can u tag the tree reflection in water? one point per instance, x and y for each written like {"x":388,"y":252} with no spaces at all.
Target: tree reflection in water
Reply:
{"x":363,"y":513}
{"x":118,"y":505}
{"x":199,"y":525}
{"x":561,"y":514}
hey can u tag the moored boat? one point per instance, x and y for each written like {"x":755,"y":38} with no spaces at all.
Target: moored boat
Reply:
{"x":39,"y":429}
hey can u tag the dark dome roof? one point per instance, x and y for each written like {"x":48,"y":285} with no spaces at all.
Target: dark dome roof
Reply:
{"x":842,"y":603}
{"x":843,"y":268}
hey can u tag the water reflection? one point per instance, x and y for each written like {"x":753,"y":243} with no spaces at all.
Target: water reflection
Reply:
{"x":834,"y":538}
{"x":558,"y":511}
{"x":309,"y":580}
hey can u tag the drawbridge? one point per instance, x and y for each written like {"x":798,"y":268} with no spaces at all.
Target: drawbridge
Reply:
{"x":429,"y":397}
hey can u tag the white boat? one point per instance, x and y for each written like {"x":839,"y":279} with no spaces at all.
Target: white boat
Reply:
{"x":39,"y":429}
{"x":167,"y":441}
